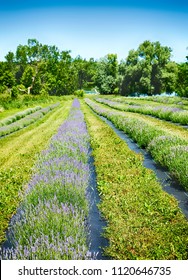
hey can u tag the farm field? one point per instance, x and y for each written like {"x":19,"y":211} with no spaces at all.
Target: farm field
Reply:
{"x":44,"y":169}
{"x":132,"y":199}
{"x":166,"y":142}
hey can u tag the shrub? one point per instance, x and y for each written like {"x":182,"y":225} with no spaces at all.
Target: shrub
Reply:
{"x":79,"y":93}
{"x":14,"y":92}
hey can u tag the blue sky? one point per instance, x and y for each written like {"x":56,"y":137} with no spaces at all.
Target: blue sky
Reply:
{"x":95,"y":28}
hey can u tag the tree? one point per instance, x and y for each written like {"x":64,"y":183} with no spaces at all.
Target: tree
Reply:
{"x":28,"y":76}
{"x":85,"y":72}
{"x":169,"y":77}
{"x":7,"y":77}
{"x":106,"y":77}
{"x":145,"y":69}
{"x":182,"y":80}
{"x":10,"y":59}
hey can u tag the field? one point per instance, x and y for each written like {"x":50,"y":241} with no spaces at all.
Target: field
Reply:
{"x":45,"y":176}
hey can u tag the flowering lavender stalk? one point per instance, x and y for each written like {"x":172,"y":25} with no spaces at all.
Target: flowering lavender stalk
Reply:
{"x":51,"y":222}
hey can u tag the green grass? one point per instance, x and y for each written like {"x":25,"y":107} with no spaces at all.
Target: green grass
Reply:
{"x":18,"y":153}
{"x":143,"y":222}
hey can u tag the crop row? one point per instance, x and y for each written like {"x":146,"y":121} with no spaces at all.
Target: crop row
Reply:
{"x":19,"y":116}
{"x":153,"y":100}
{"x":170,"y":151}
{"x":51,"y":221}
{"x":25,"y":121}
{"x":166,"y":99}
{"x":143,"y":222}
{"x":174,"y":114}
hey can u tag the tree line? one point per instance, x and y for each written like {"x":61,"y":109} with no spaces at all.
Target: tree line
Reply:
{"x":42,"y":69}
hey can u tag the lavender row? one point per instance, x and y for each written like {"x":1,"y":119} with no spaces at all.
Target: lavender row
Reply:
{"x":51,"y":222}
{"x":27,"y":120}
{"x":174,"y":114}
{"x":169,"y":150}
{"x":19,"y":116}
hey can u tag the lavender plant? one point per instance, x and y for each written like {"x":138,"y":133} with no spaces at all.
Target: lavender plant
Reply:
{"x":25,"y":121}
{"x":19,"y":116}
{"x":51,"y":222}
{"x":174,"y":114}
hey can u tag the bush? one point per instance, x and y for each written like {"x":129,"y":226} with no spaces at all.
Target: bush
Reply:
{"x":79,"y":93}
{"x":14,"y":92}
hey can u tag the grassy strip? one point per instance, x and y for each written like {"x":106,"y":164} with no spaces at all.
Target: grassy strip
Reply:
{"x":19,"y":115}
{"x":51,"y":221}
{"x":17,"y":156}
{"x":27,"y":120}
{"x":144,"y":222}
{"x":167,"y":113}
{"x":163,"y":146}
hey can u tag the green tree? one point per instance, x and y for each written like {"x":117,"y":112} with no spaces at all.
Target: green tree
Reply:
{"x":169,"y":77}
{"x":182,"y":80}
{"x":106,"y":77}
{"x":85,"y":72}
{"x":145,"y":69}
{"x":10,"y":59}
{"x":7,"y":77}
{"x":28,"y":76}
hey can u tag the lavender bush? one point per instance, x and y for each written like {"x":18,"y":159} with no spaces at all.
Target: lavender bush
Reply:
{"x":51,"y":222}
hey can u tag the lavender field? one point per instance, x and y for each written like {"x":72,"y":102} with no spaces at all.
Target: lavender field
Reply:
{"x":52,"y":219}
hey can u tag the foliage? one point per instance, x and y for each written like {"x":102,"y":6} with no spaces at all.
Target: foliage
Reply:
{"x":44,"y":69}
{"x":79,"y":93}
{"x":106,"y":74}
{"x":182,"y":80}
{"x":27,"y":77}
{"x":14,"y":92}
{"x":148,"y":70}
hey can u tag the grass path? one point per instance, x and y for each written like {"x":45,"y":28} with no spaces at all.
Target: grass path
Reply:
{"x":18,"y":153}
{"x":143,"y":221}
